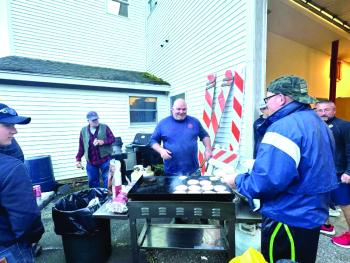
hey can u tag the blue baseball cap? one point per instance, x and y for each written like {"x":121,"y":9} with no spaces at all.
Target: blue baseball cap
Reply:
{"x":92,"y":115}
{"x":10,"y":116}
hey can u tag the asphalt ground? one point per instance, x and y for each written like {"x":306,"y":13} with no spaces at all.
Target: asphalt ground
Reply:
{"x":52,"y":247}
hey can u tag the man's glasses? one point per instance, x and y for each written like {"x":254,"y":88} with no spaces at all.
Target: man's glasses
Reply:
{"x":323,"y":110}
{"x":9,"y":111}
{"x":266,"y":99}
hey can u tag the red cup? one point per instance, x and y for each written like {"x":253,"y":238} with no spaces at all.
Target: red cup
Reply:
{"x":115,"y":191}
{"x":37,"y":190}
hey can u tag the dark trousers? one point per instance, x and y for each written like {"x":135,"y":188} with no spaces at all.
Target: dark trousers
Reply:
{"x":281,"y":242}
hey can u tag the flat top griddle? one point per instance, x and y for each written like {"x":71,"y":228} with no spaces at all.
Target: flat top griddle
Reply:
{"x":161,"y":188}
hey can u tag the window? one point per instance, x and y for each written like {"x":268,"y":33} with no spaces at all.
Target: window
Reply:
{"x":152,"y":4}
{"x":118,"y":7}
{"x":143,"y":110}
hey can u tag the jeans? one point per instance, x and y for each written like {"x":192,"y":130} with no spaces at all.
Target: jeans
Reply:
{"x":93,"y":173}
{"x":17,"y":253}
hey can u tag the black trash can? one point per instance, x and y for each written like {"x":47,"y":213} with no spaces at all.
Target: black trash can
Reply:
{"x":85,"y":239}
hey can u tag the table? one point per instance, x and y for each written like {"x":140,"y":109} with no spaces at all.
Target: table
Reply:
{"x":45,"y":199}
{"x":102,"y":212}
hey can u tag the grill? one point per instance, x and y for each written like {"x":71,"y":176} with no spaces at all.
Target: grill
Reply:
{"x":117,"y":146}
{"x":153,"y":197}
{"x":162,"y":188}
{"x":145,"y":155}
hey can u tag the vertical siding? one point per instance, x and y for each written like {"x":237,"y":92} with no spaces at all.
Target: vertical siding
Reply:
{"x":207,"y":37}
{"x":80,"y":32}
{"x":59,"y":114}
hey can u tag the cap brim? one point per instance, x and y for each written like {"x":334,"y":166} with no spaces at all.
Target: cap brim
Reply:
{"x":306,"y":99}
{"x":16,"y":120}
{"x":93,"y":119}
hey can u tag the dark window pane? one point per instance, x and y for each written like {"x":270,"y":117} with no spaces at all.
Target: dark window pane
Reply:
{"x":123,"y":11}
{"x":143,"y":109}
{"x":142,"y":116}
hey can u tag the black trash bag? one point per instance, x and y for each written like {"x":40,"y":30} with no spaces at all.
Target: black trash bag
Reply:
{"x":72,"y":215}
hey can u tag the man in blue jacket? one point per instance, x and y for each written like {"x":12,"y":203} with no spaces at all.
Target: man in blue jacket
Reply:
{"x":20,"y":219}
{"x":179,"y":134}
{"x":293,"y":173}
{"x":13,"y":150}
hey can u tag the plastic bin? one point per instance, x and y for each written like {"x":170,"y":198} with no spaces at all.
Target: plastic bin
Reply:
{"x":85,"y":239}
{"x":41,"y":172}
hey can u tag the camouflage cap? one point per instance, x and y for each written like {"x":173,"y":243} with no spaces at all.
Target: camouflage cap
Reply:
{"x":291,"y":86}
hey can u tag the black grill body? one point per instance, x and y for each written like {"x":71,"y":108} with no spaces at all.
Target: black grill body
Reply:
{"x":145,"y":155}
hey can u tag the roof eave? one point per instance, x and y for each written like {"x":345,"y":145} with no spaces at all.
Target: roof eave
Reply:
{"x":42,"y":78}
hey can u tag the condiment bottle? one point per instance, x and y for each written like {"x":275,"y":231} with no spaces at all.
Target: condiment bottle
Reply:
{"x":114,"y":167}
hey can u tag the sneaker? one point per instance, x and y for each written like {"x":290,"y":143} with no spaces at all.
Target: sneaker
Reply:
{"x":334,"y":212}
{"x":342,"y":240}
{"x":327,"y":230}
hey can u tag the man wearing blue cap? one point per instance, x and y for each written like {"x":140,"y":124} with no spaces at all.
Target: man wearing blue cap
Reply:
{"x":20,"y":219}
{"x":95,"y":143}
{"x":293,"y":174}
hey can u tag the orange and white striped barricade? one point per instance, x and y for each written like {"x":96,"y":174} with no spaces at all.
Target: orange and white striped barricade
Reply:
{"x":207,"y":114}
{"x":220,"y":103}
{"x":237,"y":105}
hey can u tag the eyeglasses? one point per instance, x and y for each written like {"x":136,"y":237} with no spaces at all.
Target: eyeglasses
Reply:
{"x":323,"y":110}
{"x":266,"y":99}
{"x":9,"y":111}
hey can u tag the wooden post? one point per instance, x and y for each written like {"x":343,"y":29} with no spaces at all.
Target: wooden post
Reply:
{"x":333,"y":71}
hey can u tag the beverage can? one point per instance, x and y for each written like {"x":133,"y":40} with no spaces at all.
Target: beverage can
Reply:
{"x":37,"y":190}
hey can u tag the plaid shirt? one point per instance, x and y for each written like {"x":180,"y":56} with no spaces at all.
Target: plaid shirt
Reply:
{"x":94,"y":152}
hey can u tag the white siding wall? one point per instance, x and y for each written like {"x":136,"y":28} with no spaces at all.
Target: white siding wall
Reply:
{"x":209,"y":37}
{"x":4,"y":29}
{"x":59,"y":114}
{"x":80,"y":32}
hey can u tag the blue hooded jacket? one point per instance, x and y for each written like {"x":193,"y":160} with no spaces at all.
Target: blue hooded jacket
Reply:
{"x":294,"y":171}
{"x":20,"y":219}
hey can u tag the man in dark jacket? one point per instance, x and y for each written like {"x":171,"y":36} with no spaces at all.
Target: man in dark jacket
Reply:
{"x":13,"y":150}
{"x":292,"y":174}
{"x":341,"y":196}
{"x":20,"y":219}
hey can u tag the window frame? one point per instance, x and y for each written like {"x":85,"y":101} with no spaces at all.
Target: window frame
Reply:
{"x":143,"y":110}
{"x":124,"y":3}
